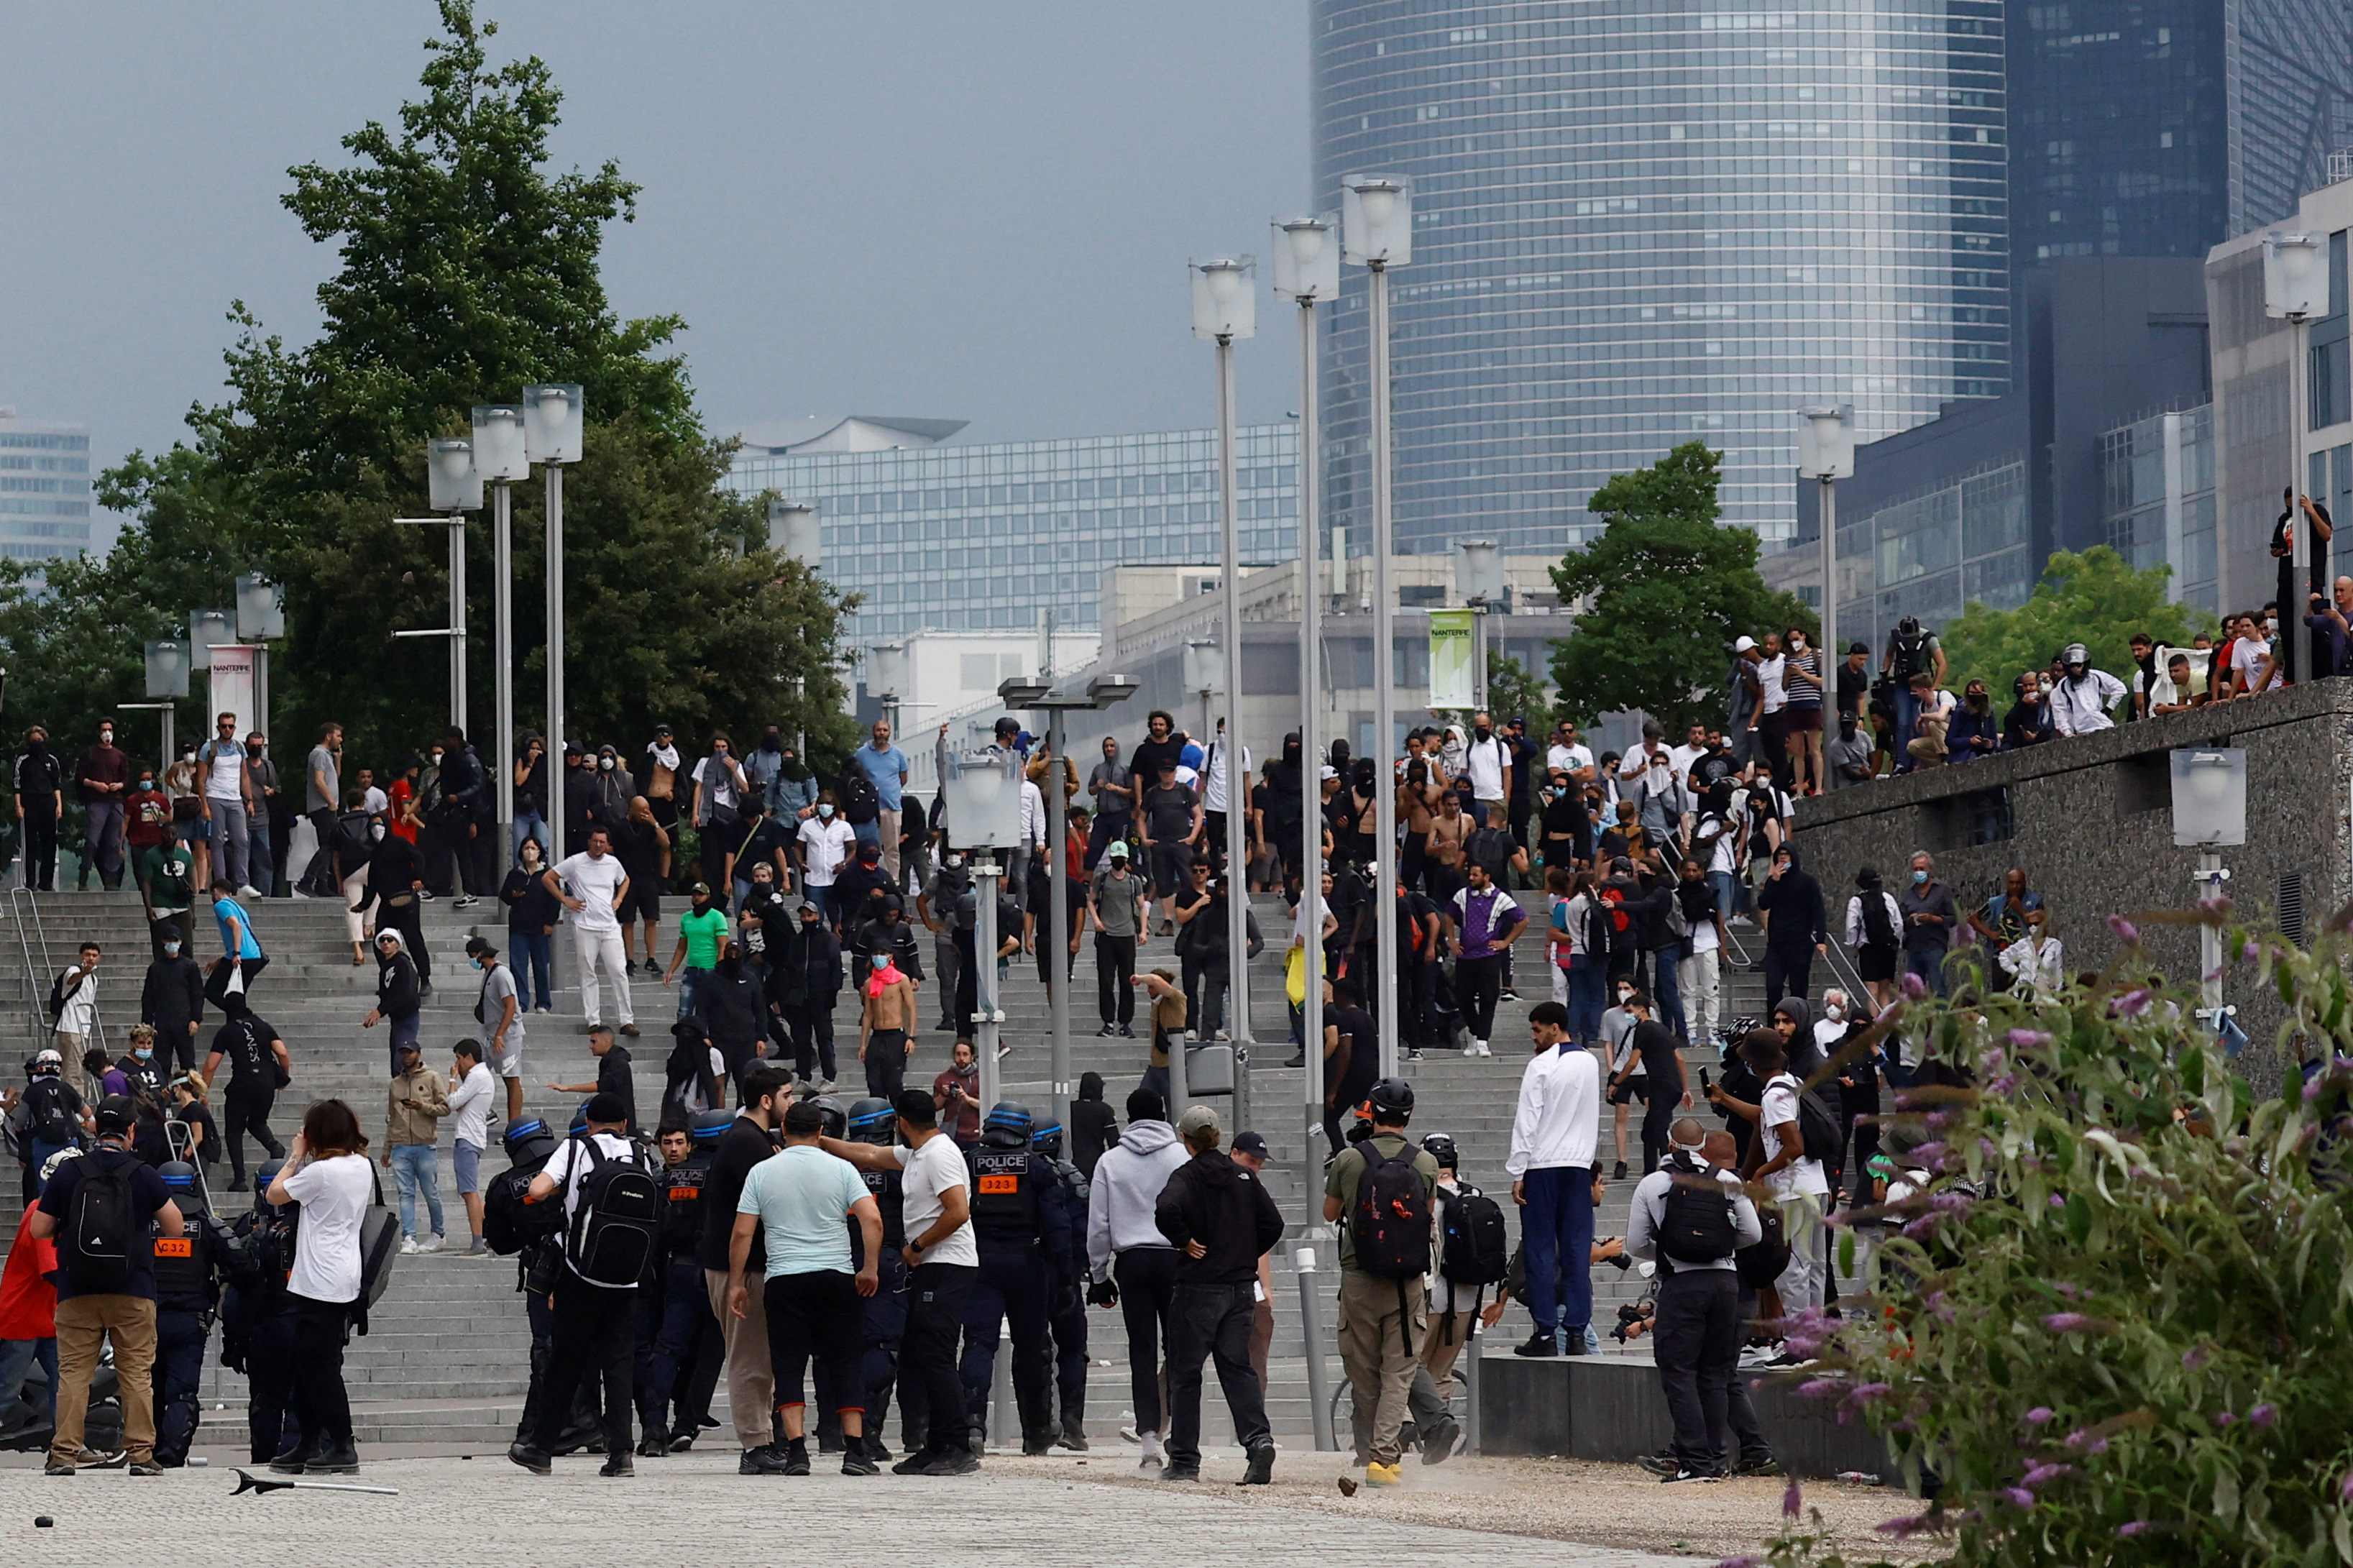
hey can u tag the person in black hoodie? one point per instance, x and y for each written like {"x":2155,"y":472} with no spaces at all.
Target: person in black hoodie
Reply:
{"x":1094,"y":1126}
{"x":171,"y":999}
{"x":1221,"y":1220}
{"x":1284,"y":811}
{"x":732,"y":1011}
{"x":691,"y":1077}
{"x":397,"y":993}
{"x":886,"y":931}
{"x":395,"y":881}
{"x":807,"y":980}
{"x":1792,"y":902}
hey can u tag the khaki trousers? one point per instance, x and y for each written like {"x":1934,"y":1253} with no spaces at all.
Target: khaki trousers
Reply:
{"x":1376,"y":1350}
{"x":130,"y":1320}
{"x":751,"y":1381}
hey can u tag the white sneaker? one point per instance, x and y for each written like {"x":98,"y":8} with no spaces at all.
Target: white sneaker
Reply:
{"x":1472,"y":1049}
{"x":430,"y":1244}
{"x":249,"y":891}
{"x":1482,"y":1047}
{"x":408,"y":1247}
{"x":1154,"y":1456}
{"x":1003,"y":1052}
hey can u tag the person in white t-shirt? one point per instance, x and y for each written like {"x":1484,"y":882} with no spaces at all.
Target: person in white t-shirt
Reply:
{"x":1488,"y":762}
{"x":1569,"y":755}
{"x":1681,"y":758}
{"x":471,"y":1088}
{"x":327,"y":1171}
{"x":822,"y":844}
{"x":1796,"y":1183}
{"x":943,"y":1261}
{"x":592,"y":885}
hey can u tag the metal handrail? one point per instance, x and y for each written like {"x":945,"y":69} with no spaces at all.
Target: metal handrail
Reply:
{"x":37,"y":977}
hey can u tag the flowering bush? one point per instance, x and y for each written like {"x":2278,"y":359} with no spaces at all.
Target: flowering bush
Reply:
{"x":2118,"y":1325}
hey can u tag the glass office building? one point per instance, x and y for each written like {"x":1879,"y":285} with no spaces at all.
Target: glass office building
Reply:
{"x":1639,"y":224}
{"x":986,"y":536}
{"x":2159,"y":474}
{"x":44,"y":489}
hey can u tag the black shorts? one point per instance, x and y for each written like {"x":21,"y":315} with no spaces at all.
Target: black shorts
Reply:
{"x":1632,"y":1089}
{"x":643,"y":901}
{"x":1876,"y":963}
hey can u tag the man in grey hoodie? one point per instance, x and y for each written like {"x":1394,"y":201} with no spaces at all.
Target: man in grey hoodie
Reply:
{"x":1124,"y":1245}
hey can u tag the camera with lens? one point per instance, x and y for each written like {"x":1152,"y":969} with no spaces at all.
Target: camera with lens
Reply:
{"x":1633,"y":1318}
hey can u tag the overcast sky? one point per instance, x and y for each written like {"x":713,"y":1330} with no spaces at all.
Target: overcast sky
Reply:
{"x":927,"y":207}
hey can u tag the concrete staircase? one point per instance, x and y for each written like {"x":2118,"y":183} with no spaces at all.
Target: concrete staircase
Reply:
{"x":446,"y":1359}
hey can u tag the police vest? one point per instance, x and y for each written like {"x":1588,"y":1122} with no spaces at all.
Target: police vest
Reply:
{"x":182,"y":1269}
{"x":1004,"y":1197}
{"x":885,"y":1187}
{"x":681,"y":1220}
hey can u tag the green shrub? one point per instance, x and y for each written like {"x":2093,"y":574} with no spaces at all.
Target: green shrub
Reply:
{"x":2116,"y":1327}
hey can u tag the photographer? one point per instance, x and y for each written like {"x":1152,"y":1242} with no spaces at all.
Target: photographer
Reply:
{"x":258,"y":1319}
{"x":326,"y":1171}
{"x":955,"y":1094}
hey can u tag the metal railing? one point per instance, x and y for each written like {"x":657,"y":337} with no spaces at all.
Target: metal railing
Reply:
{"x":40,"y":969}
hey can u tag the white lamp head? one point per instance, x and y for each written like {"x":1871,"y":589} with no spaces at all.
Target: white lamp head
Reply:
{"x":1479,"y":571}
{"x":1825,"y":442}
{"x":500,"y":452}
{"x":1224,"y":305}
{"x":261,"y":608}
{"x":1377,"y":219}
{"x":794,"y":530}
{"x":450,"y":478}
{"x":167,"y":669}
{"x":206,"y":629}
{"x":1307,"y":257}
{"x":554,"y":418}
{"x":2296,"y":279}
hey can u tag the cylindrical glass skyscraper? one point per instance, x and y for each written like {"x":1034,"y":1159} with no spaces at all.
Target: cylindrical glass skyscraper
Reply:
{"x":1643,"y":222}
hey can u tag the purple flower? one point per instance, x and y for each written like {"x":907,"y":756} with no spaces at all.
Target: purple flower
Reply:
{"x":1928,"y":1154}
{"x":2039,"y":1414}
{"x":1742,"y":1563}
{"x":2127,"y":933}
{"x":2312,"y":1091}
{"x":2137,"y":1527}
{"x":2224,"y":1418}
{"x":1819,"y":1388}
{"x":2081,"y":1440}
{"x":2042,"y":1473}
{"x":2004,"y":1085}
{"x":2067,"y":1322}
{"x":1914,"y":986}
{"x":2058,"y":1200}
{"x":1793,"y":1502}
{"x":2133,"y":1003}
{"x":1864,"y":1393}
{"x":2263,"y":1415}
{"x":2027,"y":1039}
{"x":2345,"y":1487}
{"x":2194,"y":1357}
{"x":2020,"y":1495}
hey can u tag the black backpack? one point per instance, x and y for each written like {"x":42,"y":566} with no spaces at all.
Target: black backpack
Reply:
{"x":617,"y":1217}
{"x":1818,"y":1124}
{"x":103,"y":1234}
{"x":354,"y":846}
{"x":509,"y":1223}
{"x":1761,"y":1263}
{"x":1390,"y":1223}
{"x":1597,"y":933}
{"x":46,"y":1120}
{"x":861,"y":803}
{"x":1474,"y":1248}
{"x":1696,"y":1227}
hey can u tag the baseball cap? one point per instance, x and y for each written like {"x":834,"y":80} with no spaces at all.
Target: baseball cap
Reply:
{"x":1330,"y":771}
{"x":1742,"y":645}
{"x":116,"y":1113}
{"x":1250,"y":1143}
{"x":1196,"y":1118}
{"x":1118,"y":850}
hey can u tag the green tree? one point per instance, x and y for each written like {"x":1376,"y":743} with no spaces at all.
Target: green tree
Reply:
{"x":1510,"y":688}
{"x":2096,"y":599}
{"x":469,"y":269}
{"x":1664,"y":592}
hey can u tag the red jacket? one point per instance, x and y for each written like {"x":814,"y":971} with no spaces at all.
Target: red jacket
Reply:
{"x":28,"y":1302}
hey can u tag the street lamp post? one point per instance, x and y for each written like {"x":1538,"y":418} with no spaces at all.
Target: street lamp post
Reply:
{"x":1307,"y":271}
{"x":2295,"y":289}
{"x":554,"y":417}
{"x":795,"y":530}
{"x":498,"y":457}
{"x":1826,"y":452}
{"x":1479,"y":574}
{"x":1225,"y":307}
{"x":1377,"y":233}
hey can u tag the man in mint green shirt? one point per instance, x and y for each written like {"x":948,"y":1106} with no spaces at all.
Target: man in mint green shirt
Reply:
{"x":801,"y":1198}
{"x":701,"y":937}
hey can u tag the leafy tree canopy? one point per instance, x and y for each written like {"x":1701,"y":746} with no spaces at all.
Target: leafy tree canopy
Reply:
{"x":468,"y":269}
{"x":2096,"y":599}
{"x":1665,"y":592}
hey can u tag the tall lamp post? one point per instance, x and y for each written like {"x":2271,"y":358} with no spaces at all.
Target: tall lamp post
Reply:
{"x":1225,"y":307}
{"x":1307,"y":272}
{"x":2296,"y":289}
{"x":453,"y":488}
{"x":554,"y":420}
{"x":1479,"y":576}
{"x":1826,"y":452}
{"x":1377,"y":233}
{"x":2209,"y":811}
{"x":498,"y":457}
{"x":793,"y":530}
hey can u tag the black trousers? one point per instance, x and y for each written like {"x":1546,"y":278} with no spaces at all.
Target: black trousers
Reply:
{"x":936,"y":1293}
{"x":247,"y":1107}
{"x":812,"y":1031}
{"x":320,"y":1402}
{"x":1788,"y":972}
{"x":1697,"y":1343}
{"x":180,"y":1335}
{"x":1146,"y":1276}
{"x":1011,"y":1291}
{"x":594,"y":1338}
{"x":1213,"y":1320}
{"x":1660,"y":1107}
{"x":269,"y":1377}
{"x":818,"y":1316}
{"x":217,"y":980}
{"x":1478,"y":985}
{"x":882,"y":1328}
{"x":1066,"y":1316}
{"x":41,"y":850}
{"x":1114,"y":968}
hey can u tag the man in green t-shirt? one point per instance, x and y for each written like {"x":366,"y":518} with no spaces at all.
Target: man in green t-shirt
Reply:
{"x":1382,"y":1316}
{"x":166,"y":873}
{"x":701,"y":935}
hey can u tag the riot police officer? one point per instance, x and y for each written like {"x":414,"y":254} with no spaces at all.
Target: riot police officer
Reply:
{"x":685,"y":1341}
{"x":1066,"y":1300}
{"x":514,"y":1228}
{"x":188,"y":1270}
{"x":871,"y":1121}
{"x":1022,"y":1222}
{"x":257,"y":1317}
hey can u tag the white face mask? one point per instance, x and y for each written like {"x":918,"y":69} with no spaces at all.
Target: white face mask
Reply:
{"x":824,"y":810}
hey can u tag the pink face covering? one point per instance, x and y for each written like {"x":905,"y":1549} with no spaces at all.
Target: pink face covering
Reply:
{"x":881,"y":978}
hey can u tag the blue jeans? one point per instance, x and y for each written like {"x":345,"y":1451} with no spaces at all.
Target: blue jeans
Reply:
{"x":414,"y":1166}
{"x":1907,"y":724}
{"x":817,"y":896}
{"x":1928,"y":963}
{"x":1585,"y":998}
{"x":1725,"y":885}
{"x":1663,"y":985}
{"x":690,"y":988}
{"x":16,"y":1358}
{"x":1557,"y":1227}
{"x":535,"y":967}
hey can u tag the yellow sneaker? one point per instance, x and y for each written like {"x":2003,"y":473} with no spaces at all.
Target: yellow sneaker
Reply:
{"x":1381,"y":1475}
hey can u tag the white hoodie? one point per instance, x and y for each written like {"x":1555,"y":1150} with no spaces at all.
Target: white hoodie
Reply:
{"x":1125,"y":1190}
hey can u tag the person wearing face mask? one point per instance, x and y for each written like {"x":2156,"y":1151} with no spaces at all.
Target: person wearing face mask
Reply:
{"x":102,"y":781}
{"x":720,"y":787}
{"x":573,"y":784}
{"x":1974,"y":731}
{"x":806,"y":980}
{"x":530,"y":785}
{"x":40,"y":783}
{"x":141,"y":1066}
{"x":172,"y":1000}
{"x":821,"y":846}
{"x":165,"y":872}
{"x":1801,"y":680}
{"x":396,"y":882}
{"x":793,"y":790}
{"x":1488,"y":760}
{"x":532,"y":915}
{"x":1929,"y":917}
{"x":936,"y":905}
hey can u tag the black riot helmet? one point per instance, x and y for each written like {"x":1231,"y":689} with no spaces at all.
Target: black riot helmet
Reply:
{"x":1047,"y":1139}
{"x":528,"y":1139}
{"x":262,"y":1176}
{"x":708,"y":1127}
{"x":187,"y":1188}
{"x":1008,"y":1125}
{"x":837,"y":1122}
{"x":871,"y":1121}
{"x":1439,"y":1146}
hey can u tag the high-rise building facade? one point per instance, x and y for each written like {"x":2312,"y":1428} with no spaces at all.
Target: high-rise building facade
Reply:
{"x":988,"y":536}
{"x":1639,"y":224}
{"x":44,"y":489}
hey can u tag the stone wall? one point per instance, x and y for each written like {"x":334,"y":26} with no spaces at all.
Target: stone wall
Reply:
{"x":2091,"y":821}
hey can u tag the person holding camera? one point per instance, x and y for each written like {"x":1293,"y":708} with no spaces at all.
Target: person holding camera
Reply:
{"x":326,"y":1171}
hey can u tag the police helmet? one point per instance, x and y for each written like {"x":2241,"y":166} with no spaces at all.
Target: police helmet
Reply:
{"x":708,"y":1126}
{"x":1047,"y":1140}
{"x":528,"y":1139}
{"x":1390,"y":1097}
{"x":1439,"y":1147}
{"x":579,"y":1119}
{"x":264,"y":1174}
{"x":46,"y":1063}
{"x":1007,"y":1125}
{"x":871,"y":1121}
{"x":837,"y":1122}
{"x":187,"y":1191}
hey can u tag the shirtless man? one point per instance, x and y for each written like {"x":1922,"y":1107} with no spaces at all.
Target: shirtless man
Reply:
{"x":886,"y":1028}
{"x":1448,"y":832}
{"x":1419,"y":788}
